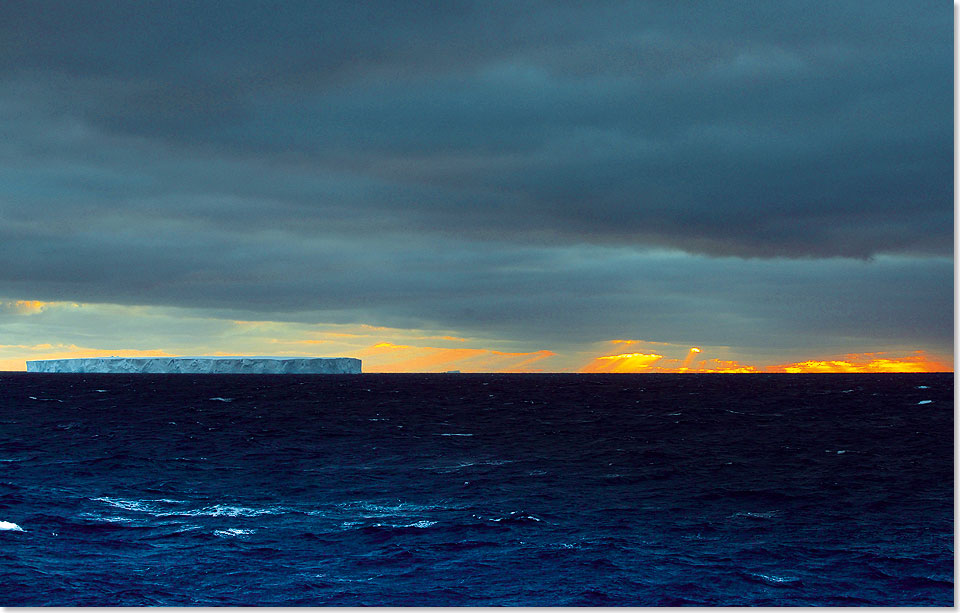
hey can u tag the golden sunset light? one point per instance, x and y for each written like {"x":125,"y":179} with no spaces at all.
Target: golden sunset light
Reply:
{"x":389,"y":357}
{"x":46,"y":351}
{"x":685,"y":366}
{"x":867,"y":363}
{"x":622,"y":363}
{"x":724,"y":366}
{"x":874,"y":362}
{"x":385,"y":349}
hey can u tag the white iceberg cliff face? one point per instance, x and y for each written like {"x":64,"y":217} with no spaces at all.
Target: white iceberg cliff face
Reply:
{"x":258,"y":365}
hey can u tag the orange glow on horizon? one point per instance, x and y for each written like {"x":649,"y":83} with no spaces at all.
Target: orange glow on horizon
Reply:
{"x":47,"y":351}
{"x":389,"y":349}
{"x":878,"y":362}
{"x":724,"y":366}
{"x":866,"y":362}
{"x":389,"y":357}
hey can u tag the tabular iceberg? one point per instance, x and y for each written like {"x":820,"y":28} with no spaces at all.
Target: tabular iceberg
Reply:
{"x":258,"y":365}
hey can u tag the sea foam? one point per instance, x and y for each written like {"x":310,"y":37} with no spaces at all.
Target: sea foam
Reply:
{"x":8,"y":525}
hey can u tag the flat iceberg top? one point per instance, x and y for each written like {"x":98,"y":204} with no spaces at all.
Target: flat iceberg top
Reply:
{"x":202,"y":357}
{"x":199,"y":364}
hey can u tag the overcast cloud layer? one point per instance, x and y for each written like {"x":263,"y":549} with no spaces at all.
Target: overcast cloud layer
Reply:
{"x":769,"y":174}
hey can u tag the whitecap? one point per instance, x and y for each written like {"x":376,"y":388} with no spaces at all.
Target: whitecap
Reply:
{"x":221,"y":510}
{"x":112,"y":519}
{"x":221,"y":399}
{"x":9,"y":525}
{"x":127,"y":505}
{"x":923,"y":387}
{"x":516,"y":516}
{"x":467,"y":464}
{"x":217,"y":510}
{"x":777,"y":580}
{"x":417,"y":524}
{"x":925,"y":402}
{"x":454,"y":434}
{"x":233,"y":532}
{"x":484,"y":463}
{"x":755,"y":514}
{"x":371,"y":510}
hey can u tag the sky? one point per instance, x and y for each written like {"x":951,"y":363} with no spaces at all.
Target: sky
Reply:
{"x":480,"y":186}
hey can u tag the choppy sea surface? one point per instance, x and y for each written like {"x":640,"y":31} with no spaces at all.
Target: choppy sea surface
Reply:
{"x":462,"y":489}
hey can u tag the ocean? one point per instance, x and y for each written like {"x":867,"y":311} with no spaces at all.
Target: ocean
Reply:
{"x":476,"y":489}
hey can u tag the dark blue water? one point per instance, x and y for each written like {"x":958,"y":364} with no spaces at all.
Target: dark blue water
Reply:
{"x":527,"y":490}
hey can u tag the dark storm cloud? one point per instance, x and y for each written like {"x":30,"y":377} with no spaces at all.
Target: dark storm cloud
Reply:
{"x":760,"y":129}
{"x":488,"y":166}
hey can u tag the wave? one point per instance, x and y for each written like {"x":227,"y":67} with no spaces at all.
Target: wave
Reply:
{"x":417,"y":524}
{"x":774,"y":580}
{"x":466,"y":464}
{"x":87,"y":525}
{"x":513,"y":517}
{"x":755,"y":515}
{"x":229,"y":532}
{"x":768,"y":496}
{"x":345,"y":515}
{"x":217,"y":510}
{"x":136,"y":505}
{"x":373,"y":509}
{"x":223,"y":510}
